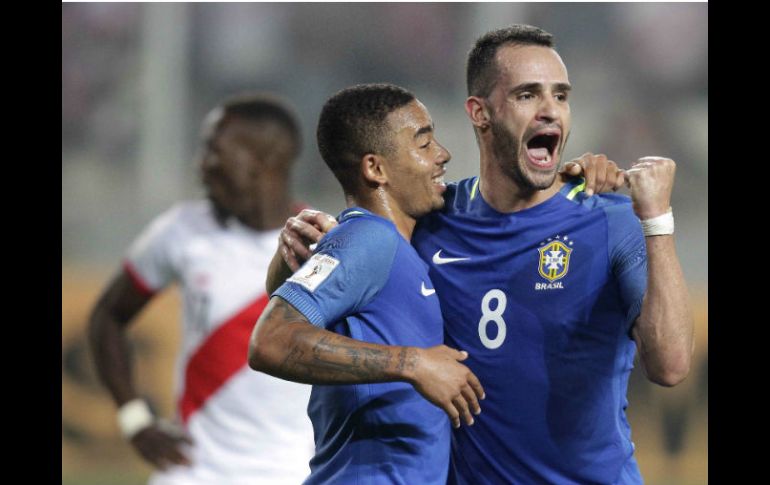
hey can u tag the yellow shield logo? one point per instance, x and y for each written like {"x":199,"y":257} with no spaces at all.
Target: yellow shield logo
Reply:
{"x":554,"y":260}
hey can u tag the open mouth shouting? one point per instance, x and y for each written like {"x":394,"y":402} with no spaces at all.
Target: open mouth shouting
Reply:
{"x":541,"y":148}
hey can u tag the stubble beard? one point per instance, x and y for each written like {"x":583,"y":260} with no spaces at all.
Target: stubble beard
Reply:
{"x":507,"y":149}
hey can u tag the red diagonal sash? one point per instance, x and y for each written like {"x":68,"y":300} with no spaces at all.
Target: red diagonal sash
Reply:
{"x":219,"y":357}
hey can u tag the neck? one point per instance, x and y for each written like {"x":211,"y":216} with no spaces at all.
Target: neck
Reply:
{"x":505,"y":194}
{"x":378,"y":202}
{"x":272,"y":210}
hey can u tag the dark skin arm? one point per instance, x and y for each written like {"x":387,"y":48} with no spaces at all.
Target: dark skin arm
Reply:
{"x":117,"y":307}
{"x":285,"y":345}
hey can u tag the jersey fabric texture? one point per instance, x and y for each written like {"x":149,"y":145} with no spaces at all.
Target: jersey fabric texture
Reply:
{"x":247,"y":427}
{"x":378,"y":291}
{"x":543,"y":300}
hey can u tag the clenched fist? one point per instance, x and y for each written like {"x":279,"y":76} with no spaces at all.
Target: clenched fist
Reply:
{"x":651,"y":180}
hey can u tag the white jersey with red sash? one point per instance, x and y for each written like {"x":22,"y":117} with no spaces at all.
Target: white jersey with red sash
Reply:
{"x":247,"y":427}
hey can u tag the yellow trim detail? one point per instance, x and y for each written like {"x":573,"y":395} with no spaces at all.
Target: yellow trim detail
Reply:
{"x":351,"y":213}
{"x":475,"y":186}
{"x":574,"y":192}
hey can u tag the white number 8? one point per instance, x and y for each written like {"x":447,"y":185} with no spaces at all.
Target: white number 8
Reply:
{"x":496,"y":316}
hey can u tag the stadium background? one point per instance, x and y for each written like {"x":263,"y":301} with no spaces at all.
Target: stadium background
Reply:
{"x":138,"y":78}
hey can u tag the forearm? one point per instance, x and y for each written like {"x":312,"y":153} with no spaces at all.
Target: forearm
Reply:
{"x":664,"y":329}
{"x":277,"y":272}
{"x":286,"y":345}
{"x":112,"y":359}
{"x":120,"y":303}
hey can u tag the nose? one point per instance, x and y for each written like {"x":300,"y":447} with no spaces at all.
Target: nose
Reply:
{"x":444,"y":155}
{"x":547,"y":111}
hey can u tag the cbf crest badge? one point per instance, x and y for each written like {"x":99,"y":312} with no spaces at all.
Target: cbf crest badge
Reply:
{"x":554,"y":258}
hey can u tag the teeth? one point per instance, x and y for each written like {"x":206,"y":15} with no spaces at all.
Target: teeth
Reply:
{"x":438,"y":180}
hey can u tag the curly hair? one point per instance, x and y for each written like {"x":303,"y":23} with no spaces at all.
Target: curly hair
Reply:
{"x":263,"y":107}
{"x":352,"y":124}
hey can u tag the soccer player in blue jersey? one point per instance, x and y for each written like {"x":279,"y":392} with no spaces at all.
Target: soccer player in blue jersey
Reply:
{"x":363,"y":314}
{"x":549,"y":289}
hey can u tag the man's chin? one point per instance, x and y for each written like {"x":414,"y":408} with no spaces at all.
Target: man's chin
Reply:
{"x":436,"y":205}
{"x":214,"y":201}
{"x":220,"y":210}
{"x":541,"y":180}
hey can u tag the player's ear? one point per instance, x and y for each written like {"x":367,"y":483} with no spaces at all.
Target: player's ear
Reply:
{"x":373,"y":169}
{"x":477,"y":112}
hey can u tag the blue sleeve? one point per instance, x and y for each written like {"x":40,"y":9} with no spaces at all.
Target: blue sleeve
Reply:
{"x":350,"y":266}
{"x":628,"y":257}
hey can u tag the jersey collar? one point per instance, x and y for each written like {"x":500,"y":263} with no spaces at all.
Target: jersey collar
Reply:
{"x":478,"y":205}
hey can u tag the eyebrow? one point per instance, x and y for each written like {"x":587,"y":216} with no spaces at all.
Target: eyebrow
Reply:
{"x":537,"y":87}
{"x":425,"y":129}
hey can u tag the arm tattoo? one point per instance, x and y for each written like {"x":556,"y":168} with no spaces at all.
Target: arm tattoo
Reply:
{"x":290,"y":314}
{"x":319,"y":356}
{"x":407,"y":359}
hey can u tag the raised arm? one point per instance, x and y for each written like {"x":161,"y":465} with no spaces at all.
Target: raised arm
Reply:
{"x":299,"y":232}
{"x":285,"y":344}
{"x":157,"y":441}
{"x":664,"y":329}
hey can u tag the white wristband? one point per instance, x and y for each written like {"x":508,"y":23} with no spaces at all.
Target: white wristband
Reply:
{"x":134,"y":416}
{"x":660,"y":225}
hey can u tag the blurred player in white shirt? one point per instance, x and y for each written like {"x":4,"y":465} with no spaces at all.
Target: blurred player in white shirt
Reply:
{"x":233,"y":426}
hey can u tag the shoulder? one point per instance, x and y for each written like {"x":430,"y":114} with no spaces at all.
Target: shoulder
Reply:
{"x":573,"y":191}
{"x":360,"y":230}
{"x":361,"y":242}
{"x":194,"y":214}
{"x":184,"y":212}
{"x":613,"y":205}
{"x":350,"y":265}
{"x":624,"y":231}
{"x":617,"y":208}
{"x":616,"y":201}
{"x":179,"y":221}
{"x":190,"y":217}
{"x":618,"y":212}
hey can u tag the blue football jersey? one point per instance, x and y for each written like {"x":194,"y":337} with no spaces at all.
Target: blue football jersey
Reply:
{"x":367,"y":282}
{"x":543,"y":300}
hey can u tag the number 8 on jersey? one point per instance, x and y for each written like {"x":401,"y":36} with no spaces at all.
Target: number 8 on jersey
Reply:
{"x":495,"y":316}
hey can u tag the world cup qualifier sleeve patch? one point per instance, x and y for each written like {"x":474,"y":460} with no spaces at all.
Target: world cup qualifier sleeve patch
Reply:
{"x":314,"y":271}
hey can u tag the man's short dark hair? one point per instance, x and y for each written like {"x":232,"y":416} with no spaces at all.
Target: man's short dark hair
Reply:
{"x":352,"y":124}
{"x":263,"y":107}
{"x":482,"y":71}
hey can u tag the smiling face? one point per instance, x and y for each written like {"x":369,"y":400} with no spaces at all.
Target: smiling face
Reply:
{"x":415,"y":161}
{"x":529,"y":114}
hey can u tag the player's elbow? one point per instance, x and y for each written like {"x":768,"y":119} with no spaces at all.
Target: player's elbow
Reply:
{"x":260,"y":352}
{"x":667,"y":379}
{"x":257,"y":356}
{"x":671,"y":374}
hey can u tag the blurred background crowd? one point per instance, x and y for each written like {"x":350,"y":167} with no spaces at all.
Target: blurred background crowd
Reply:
{"x":137,"y":79}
